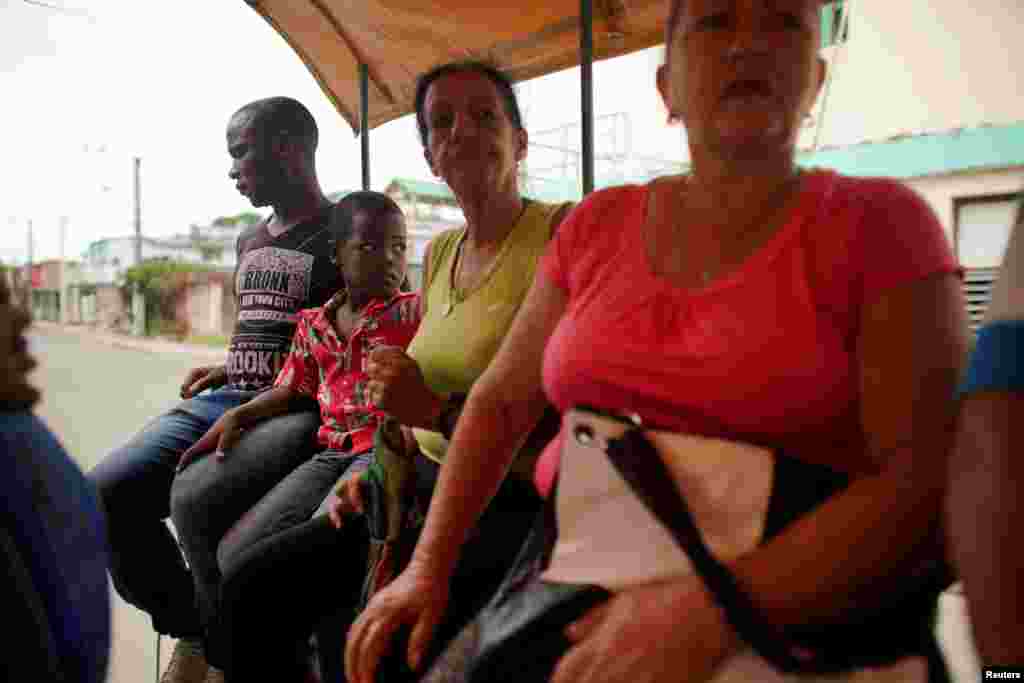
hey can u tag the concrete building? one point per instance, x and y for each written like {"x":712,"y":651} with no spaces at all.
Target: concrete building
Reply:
{"x":106,"y":260}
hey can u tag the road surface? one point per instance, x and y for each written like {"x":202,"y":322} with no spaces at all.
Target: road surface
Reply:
{"x":94,"y":396}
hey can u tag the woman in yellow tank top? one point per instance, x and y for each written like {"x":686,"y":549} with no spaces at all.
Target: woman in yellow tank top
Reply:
{"x":475,"y":279}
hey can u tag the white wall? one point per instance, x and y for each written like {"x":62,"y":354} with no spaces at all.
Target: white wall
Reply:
{"x":941,"y":191}
{"x":913,"y":66}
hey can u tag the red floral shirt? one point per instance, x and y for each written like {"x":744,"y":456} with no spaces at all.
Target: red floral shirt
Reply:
{"x":325,"y":366}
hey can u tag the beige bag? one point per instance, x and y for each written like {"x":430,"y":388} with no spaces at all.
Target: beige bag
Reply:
{"x":608,"y":537}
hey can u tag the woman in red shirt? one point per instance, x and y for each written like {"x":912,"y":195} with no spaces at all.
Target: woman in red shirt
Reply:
{"x":746,"y":300}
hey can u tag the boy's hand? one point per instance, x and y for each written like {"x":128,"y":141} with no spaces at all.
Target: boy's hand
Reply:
{"x":346,"y":500}
{"x":224,"y":434}
{"x":397,"y":387}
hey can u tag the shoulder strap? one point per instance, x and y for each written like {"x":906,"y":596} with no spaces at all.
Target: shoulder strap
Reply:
{"x":637,"y":461}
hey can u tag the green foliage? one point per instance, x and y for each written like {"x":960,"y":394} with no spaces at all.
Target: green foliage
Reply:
{"x":244,"y":218}
{"x":211,"y":252}
{"x":216,"y":340}
{"x":161,"y":283}
{"x":159,"y":276}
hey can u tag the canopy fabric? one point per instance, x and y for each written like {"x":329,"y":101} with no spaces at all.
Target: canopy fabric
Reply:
{"x":400,"y":39}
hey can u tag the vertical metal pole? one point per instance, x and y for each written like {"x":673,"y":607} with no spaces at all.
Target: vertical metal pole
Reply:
{"x":364,"y":121}
{"x":587,"y":92}
{"x":138,"y":211}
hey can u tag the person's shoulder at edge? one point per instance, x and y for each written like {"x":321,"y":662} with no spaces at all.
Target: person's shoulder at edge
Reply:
{"x":593,"y":211}
{"x":880,"y":194}
{"x":888,"y":220}
{"x":446,"y":235}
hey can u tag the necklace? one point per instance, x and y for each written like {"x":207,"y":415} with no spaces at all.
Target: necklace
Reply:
{"x":454,"y":295}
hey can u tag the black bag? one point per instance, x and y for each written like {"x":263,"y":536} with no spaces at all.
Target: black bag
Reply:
{"x":520,"y":632}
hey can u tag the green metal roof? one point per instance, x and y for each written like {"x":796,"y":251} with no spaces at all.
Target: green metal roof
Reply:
{"x":986,"y":147}
{"x":422,"y":188}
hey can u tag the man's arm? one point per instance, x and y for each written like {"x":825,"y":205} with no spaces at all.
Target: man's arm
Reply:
{"x":985,"y":512}
{"x":984,"y":507}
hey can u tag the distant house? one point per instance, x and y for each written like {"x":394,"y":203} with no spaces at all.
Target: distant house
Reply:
{"x":106,"y":260}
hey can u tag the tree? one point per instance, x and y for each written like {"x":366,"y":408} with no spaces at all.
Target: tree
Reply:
{"x":161,"y":283}
{"x":244,"y":218}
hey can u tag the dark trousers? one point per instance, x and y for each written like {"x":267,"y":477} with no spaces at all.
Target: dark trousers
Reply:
{"x":134,"y":485}
{"x":308,"y":579}
{"x":299,"y":497}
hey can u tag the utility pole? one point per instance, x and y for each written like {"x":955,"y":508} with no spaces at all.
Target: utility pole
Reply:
{"x":138,"y":211}
{"x":138,"y":301}
{"x":64,"y":296}
{"x":28,"y":269}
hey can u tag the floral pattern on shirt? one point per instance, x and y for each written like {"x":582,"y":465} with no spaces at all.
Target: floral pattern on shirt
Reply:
{"x":330,"y":368}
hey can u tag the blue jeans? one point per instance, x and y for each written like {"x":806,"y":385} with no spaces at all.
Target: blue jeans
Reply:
{"x":55,"y":594}
{"x":134,"y":485}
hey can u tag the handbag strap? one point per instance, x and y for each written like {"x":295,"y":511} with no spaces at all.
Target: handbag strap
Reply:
{"x":638,"y":462}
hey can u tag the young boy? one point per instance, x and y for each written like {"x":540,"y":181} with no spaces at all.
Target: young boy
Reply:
{"x":331,"y":343}
{"x":326,"y":363}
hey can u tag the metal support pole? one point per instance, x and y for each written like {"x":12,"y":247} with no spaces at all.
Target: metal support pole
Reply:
{"x":587,"y":92}
{"x":364,"y":121}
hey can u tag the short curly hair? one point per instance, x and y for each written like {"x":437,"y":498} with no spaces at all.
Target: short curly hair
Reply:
{"x":284,"y":116}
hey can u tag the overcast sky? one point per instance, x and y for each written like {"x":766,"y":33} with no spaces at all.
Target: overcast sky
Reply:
{"x":87,"y":89}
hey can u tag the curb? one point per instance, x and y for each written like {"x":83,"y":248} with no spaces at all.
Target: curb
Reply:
{"x":125,"y":341}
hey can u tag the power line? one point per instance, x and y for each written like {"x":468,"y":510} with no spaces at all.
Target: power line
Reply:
{"x":57,"y":8}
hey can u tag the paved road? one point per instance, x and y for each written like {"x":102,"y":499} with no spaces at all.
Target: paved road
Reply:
{"x":96,"y":395}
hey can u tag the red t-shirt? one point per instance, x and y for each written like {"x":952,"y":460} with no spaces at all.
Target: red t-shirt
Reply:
{"x":768,"y":353}
{"x":329,"y":368}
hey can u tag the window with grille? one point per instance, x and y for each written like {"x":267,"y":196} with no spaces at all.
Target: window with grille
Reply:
{"x":832,"y":30}
{"x":982,"y":231}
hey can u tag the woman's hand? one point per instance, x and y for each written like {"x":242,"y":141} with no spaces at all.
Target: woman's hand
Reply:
{"x":416,"y":599}
{"x":661,"y":633}
{"x":206,"y":377}
{"x":346,"y":500}
{"x":224,"y":434}
{"x":16,"y":393}
{"x":397,"y":387}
